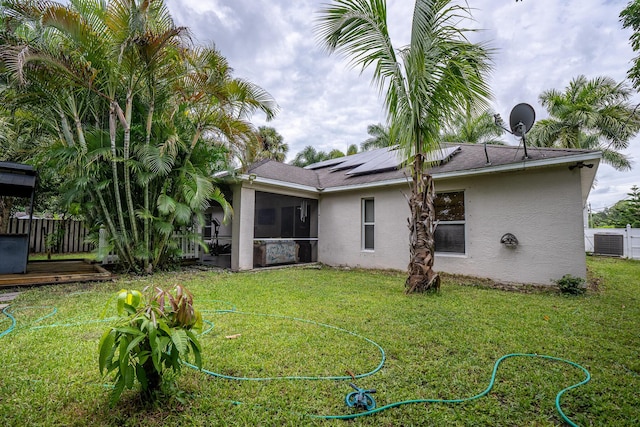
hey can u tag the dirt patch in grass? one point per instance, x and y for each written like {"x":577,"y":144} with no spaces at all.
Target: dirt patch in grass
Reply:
{"x":525,"y":288}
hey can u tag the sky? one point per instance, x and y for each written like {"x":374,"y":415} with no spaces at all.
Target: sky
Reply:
{"x":539,"y":45}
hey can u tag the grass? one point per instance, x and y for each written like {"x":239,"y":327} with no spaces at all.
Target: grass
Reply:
{"x":437,"y":346}
{"x":65,"y":256}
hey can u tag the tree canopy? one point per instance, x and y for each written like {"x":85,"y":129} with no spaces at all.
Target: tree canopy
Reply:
{"x":134,"y":116}
{"x":591,"y":114}
{"x":379,"y":137}
{"x":630,"y":18}
{"x":473,"y":128}
{"x":624,"y":212}
{"x":309,"y":155}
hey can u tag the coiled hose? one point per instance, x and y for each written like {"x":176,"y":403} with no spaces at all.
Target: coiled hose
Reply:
{"x":486,"y":391}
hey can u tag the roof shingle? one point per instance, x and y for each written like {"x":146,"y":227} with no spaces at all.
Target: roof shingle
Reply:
{"x":469,"y":157}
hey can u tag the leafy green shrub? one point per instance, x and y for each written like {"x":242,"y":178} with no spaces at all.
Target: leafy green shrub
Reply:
{"x":571,"y":285}
{"x":151,"y":336}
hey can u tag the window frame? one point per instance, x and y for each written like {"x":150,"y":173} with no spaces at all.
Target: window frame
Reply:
{"x":462,"y":222}
{"x":365,"y":224}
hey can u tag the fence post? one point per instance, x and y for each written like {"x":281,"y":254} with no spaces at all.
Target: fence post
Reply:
{"x":629,"y":242}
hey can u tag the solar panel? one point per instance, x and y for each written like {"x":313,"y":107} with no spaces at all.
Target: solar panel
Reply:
{"x":442,"y":155}
{"x":378,"y":160}
{"x":391,"y":158}
{"x":325,"y":163}
{"x":360,"y":158}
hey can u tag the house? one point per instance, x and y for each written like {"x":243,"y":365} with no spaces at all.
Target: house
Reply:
{"x":500,"y":215}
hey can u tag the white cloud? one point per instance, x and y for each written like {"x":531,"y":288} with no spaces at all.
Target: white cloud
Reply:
{"x":541,"y":45}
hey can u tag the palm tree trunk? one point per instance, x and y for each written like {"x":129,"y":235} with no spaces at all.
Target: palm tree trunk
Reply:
{"x":66,"y":129}
{"x":421,"y":277}
{"x":114,"y":167}
{"x":127,"y":172}
{"x":148,"y":266}
{"x":122,"y":251}
{"x":78,"y":123}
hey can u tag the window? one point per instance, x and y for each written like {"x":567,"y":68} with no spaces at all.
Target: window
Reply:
{"x":450,"y":232}
{"x":368,"y":224}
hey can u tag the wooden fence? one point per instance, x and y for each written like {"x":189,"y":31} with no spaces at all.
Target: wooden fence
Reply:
{"x":189,"y":249}
{"x":72,"y":234}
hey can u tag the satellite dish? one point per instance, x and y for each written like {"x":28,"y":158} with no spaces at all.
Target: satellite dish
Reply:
{"x":521,"y":119}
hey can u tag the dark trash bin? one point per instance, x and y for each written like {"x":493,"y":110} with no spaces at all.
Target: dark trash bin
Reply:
{"x":13,"y":253}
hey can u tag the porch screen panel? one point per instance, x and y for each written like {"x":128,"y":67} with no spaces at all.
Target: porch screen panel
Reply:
{"x":285,"y":229}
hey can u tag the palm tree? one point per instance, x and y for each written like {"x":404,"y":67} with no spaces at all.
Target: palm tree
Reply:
{"x":425,"y":84}
{"x":271,"y":144}
{"x":630,"y":18}
{"x":139,"y":117}
{"x":335,"y":154}
{"x":379,"y":137}
{"x":474,"y":129}
{"x":590,"y":114}
{"x":309,"y":155}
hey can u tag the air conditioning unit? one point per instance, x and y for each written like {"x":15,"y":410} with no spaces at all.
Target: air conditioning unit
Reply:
{"x":608,"y":244}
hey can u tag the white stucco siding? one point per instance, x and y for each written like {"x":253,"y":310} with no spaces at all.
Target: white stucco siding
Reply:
{"x":244,"y":200}
{"x":542,"y":208}
{"x":340,"y":229}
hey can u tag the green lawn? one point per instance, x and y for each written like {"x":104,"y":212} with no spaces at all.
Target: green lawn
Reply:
{"x":436,"y":346}
{"x":79,"y":255}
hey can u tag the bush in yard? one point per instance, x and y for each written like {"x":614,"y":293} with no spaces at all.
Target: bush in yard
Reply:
{"x":571,"y":285}
{"x":153,"y":335}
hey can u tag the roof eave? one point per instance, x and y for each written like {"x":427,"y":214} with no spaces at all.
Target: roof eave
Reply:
{"x":252,"y":178}
{"x":525,"y":164}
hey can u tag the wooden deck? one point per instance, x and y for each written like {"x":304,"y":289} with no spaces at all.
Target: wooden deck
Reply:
{"x":49,"y":272}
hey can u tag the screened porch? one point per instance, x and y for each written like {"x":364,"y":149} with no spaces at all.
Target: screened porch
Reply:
{"x":285,"y":230}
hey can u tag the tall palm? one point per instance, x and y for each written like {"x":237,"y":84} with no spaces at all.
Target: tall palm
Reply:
{"x":590,"y":114}
{"x":271,"y":144}
{"x":216,"y":107}
{"x":309,"y":155}
{"x":425,"y":84}
{"x":474,"y":129}
{"x":140,"y":117}
{"x":379,"y":137}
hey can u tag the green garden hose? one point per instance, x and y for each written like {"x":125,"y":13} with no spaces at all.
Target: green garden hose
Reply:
{"x":11,"y":327}
{"x":9,"y":315}
{"x":479,"y":395}
{"x":307,"y":378}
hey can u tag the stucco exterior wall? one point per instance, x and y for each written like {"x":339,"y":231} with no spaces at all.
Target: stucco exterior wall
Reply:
{"x":339,"y":229}
{"x":244,"y":200}
{"x":541,"y":207}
